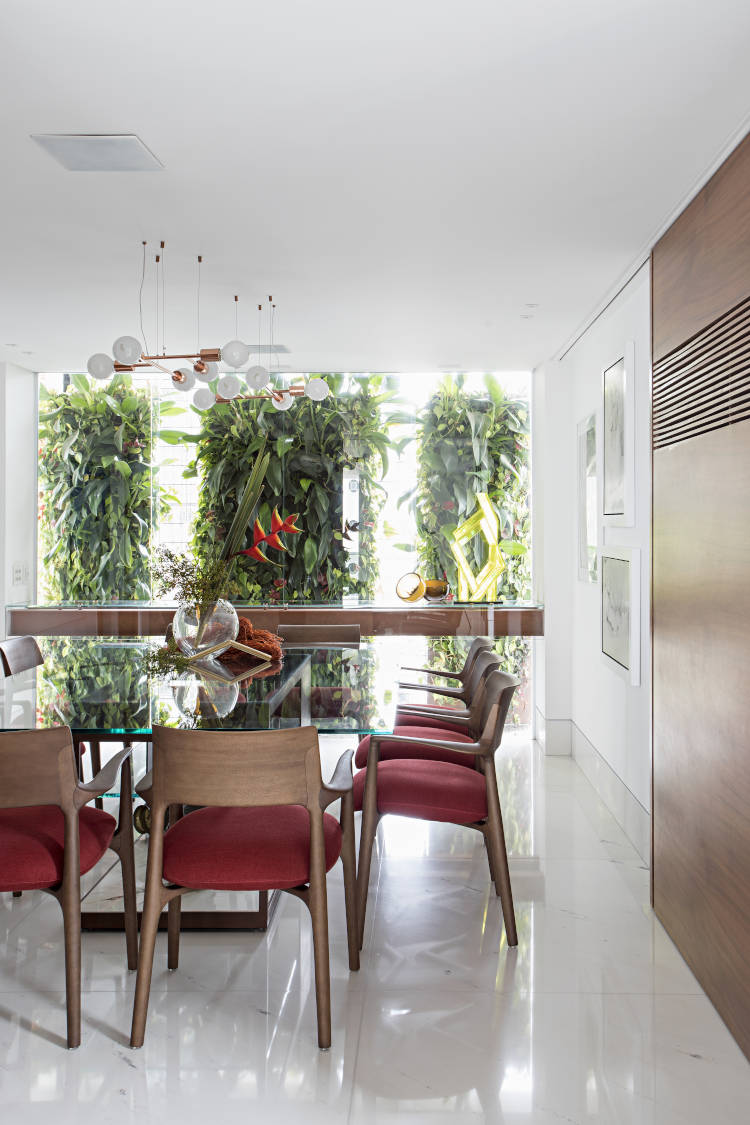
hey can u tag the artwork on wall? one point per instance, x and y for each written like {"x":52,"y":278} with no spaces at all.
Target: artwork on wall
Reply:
{"x":618,"y":441}
{"x":620,"y":571}
{"x":588,"y":508}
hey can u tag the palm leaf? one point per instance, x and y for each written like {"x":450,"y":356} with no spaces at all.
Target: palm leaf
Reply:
{"x":236,"y":534}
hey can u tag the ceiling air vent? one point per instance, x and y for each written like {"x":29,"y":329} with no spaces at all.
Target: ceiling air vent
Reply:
{"x":106,"y":152}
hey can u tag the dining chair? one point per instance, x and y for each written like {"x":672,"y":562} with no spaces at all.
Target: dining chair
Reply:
{"x":323,"y":634}
{"x":49,"y":837}
{"x":261,"y":826}
{"x":467,"y":728}
{"x":428,"y":789}
{"x":479,"y":644}
{"x":450,"y":716}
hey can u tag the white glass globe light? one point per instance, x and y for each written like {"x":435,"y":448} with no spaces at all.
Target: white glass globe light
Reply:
{"x":256,"y":378}
{"x":229,"y":386}
{"x":285,"y":403}
{"x":204,"y":398}
{"x":100,"y":366}
{"x":317,"y":389}
{"x":235,"y":353}
{"x":188,"y":380}
{"x":211,"y":373}
{"x":127,"y":350}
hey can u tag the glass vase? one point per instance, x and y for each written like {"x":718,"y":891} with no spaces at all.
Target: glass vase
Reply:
{"x":196,"y":630}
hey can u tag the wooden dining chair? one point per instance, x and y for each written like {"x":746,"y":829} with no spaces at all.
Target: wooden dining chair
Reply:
{"x":49,"y":837}
{"x":261,"y":826}
{"x":324,"y":635}
{"x":451,"y":716}
{"x":467,"y":728}
{"x":428,"y":789}
{"x":479,"y":644}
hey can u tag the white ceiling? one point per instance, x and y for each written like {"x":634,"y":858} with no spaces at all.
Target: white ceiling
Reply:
{"x":403,"y":176}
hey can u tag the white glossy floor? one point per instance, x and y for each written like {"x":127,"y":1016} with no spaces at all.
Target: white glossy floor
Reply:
{"x":595,"y":1018}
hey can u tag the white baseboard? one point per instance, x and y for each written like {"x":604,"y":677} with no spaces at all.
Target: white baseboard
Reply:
{"x":554,"y":735}
{"x":627,"y":810}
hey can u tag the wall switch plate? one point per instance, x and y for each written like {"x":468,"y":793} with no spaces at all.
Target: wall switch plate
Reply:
{"x":20,"y":574}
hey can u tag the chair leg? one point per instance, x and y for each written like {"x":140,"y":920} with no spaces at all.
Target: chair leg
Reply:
{"x":318,"y":904}
{"x":174,"y":912}
{"x":96,"y":765}
{"x":370,"y":823}
{"x":152,"y":908}
{"x":501,"y":874}
{"x":490,"y":861}
{"x":349,"y":862}
{"x":71,"y":908}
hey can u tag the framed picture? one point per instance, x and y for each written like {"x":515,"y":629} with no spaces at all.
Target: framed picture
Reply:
{"x":618,"y":441}
{"x":588,"y":508}
{"x":620,"y":574}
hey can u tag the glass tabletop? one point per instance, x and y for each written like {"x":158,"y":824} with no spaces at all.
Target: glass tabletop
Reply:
{"x":100,"y":688}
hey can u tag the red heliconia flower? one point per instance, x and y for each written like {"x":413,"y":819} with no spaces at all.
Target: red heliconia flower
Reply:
{"x":448,"y":505}
{"x":272,"y":538}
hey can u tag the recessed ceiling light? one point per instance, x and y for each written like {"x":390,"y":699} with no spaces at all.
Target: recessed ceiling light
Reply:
{"x":527,"y":316}
{"x":99,"y":152}
{"x":531,"y":305}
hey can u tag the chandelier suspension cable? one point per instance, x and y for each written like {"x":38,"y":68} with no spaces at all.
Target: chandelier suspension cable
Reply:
{"x":163,"y":300}
{"x":140,"y":299}
{"x":198,"y":308}
{"x":157,"y":259}
{"x":236,"y":317}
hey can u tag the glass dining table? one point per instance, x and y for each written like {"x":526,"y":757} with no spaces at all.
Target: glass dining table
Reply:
{"x":103,"y":688}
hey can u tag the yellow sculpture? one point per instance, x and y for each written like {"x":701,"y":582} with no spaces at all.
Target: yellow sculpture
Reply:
{"x":476,"y":587}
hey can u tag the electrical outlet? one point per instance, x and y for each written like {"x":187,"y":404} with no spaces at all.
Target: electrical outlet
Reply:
{"x":20,"y":574}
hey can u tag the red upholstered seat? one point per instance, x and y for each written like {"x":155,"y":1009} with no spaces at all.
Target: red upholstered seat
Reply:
{"x":406,"y":750}
{"x":442,"y":723}
{"x":32,"y":845}
{"x":245,"y":849}
{"x":428,"y":790}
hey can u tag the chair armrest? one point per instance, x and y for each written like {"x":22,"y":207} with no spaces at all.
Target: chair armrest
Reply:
{"x":104,"y":780}
{"x":144,"y":787}
{"x":454,"y":693}
{"x":472,"y":748}
{"x":341,"y":782}
{"x":460,"y":719}
{"x":438,"y":712}
{"x":432,"y":672}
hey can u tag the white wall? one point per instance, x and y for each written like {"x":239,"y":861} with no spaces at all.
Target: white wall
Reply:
{"x":608,"y":720}
{"x":18,"y":487}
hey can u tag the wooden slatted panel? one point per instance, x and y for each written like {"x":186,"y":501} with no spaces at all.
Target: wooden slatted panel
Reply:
{"x":705,"y":383}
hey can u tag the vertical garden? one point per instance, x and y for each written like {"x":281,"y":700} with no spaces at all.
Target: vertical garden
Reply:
{"x":380,"y":474}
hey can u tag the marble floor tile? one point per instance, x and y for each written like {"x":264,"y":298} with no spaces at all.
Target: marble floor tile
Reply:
{"x":593,"y":1018}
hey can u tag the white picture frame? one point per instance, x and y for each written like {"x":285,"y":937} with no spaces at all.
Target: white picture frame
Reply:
{"x":620,"y":610}
{"x":617,"y":443}
{"x":588,"y":498}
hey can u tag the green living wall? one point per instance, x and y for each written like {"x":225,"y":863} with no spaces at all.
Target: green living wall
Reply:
{"x":468,"y":443}
{"x":311,"y":446}
{"x":96,"y":491}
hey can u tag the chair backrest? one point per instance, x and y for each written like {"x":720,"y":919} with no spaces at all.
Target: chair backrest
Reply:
{"x":498,"y":693}
{"x":479,"y":644}
{"x":18,"y":654}
{"x":236,"y":768}
{"x":485,"y":661}
{"x":37,"y":767}
{"x":325,"y":635}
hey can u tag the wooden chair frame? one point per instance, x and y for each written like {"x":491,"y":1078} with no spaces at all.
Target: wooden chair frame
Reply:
{"x":245,"y":770}
{"x":472,"y":694}
{"x":478,"y":646}
{"x":37,"y":767}
{"x":497,"y":697}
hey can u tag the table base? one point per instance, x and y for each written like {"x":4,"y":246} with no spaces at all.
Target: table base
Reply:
{"x":92,"y":920}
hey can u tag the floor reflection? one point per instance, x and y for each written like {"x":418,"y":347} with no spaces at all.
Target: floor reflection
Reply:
{"x":594,"y":1017}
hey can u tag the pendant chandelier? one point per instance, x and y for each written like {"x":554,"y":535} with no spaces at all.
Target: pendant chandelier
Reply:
{"x":130,"y":352}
